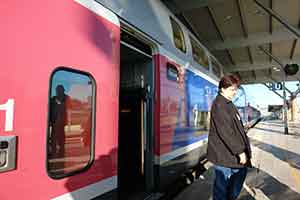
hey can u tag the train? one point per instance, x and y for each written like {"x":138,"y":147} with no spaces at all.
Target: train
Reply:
{"x":100,"y":99}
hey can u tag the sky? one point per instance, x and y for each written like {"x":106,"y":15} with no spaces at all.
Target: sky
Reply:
{"x":259,"y":94}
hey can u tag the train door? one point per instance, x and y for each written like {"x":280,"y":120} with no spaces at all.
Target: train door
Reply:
{"x":135,"y":119}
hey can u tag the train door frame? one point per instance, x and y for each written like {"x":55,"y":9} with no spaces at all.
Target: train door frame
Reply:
{"x":149,"y":101}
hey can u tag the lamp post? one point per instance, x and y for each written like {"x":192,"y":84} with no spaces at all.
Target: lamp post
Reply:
{"x":286,"y":131}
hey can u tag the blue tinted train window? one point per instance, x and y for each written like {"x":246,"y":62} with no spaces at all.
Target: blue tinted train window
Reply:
{"x":172,"y":73}
{"x":71,"y":115}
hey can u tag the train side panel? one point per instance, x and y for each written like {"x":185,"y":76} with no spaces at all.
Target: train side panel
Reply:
{"x":182,"y":128}
{"x":36,"y":38}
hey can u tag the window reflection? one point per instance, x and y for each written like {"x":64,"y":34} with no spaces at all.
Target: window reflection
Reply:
{"x":172,"y":72}
{"x":178,"y":36}
{"x":239,"y":101}
{"x":200,"y":118}
{"x":70,"y":122}
{"x":199,"y":54}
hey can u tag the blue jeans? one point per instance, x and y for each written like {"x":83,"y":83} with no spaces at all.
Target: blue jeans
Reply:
{"x":228,"y":182}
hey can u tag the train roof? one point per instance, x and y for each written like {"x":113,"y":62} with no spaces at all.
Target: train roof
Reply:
{"x":154,"y":18}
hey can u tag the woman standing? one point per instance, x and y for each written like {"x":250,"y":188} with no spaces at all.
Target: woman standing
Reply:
{"x":228,"y":145}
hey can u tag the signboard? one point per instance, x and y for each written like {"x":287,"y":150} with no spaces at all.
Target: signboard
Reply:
{"x":275,"y":86}
{"x":274,"y":108}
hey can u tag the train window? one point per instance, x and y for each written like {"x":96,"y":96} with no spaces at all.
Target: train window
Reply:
{"x":172,"y":73}
{"x":199,"y":54}
{"x":216,"y":68}
{"x":70,"y":122}
{"x":178,"y":36}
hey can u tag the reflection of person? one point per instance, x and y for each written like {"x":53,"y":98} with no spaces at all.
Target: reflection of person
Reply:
{"x":58,"y":120}
{"x":249,"y":112}
{"x":195,"y":112}
{"x":228,"y":145}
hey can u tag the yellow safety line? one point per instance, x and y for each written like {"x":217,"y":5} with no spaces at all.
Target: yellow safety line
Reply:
{"x":293,"y":171}
{"x":296,"y":176}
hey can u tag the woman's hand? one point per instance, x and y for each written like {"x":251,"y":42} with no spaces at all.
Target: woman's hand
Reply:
{"x":243,"y":158}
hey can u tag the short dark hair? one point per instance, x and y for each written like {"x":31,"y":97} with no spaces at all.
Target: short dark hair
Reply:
{"x":229,"y":80}
{"x":60,"y":87}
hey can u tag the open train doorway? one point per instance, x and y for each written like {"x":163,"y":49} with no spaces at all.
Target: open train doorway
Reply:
{"x":135,"y":172}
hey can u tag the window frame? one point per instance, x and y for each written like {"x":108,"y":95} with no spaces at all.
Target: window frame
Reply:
{"x":175,"y":25}
{"x":93,"y":122}
{"x":195,"y":44}
{"x":170,"y":66}
{"x":214,"y":65}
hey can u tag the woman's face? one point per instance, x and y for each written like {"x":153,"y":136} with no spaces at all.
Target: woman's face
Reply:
{"x":229,"y":92}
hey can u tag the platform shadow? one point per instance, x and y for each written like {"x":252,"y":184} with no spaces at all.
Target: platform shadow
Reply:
{"x":269,"y":185}
{"x":285,"y":155}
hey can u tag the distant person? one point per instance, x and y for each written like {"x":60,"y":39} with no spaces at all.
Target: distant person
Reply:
{"x":228,"y":146}
{"x":249,"y":112}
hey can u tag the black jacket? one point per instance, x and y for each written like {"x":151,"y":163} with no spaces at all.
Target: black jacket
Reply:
{"x":227,"y":138}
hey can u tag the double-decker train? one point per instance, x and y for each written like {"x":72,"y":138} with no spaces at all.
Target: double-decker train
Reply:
{"x":100,"y":99}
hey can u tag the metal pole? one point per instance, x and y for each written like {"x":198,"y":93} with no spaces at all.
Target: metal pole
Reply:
{"x":273,"y":57}
{"x":284,"y":22}
{"x":286,"y":131}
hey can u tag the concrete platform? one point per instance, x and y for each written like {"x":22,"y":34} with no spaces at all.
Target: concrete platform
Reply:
{"x":276,"y":172}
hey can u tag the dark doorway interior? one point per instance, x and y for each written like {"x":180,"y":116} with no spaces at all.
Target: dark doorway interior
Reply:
{"x":135,"y":75}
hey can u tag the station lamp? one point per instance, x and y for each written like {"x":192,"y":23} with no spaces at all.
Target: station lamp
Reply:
{"x":291,"y":69}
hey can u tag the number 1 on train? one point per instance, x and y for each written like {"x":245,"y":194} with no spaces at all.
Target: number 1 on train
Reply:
{"x":8,"y":107}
